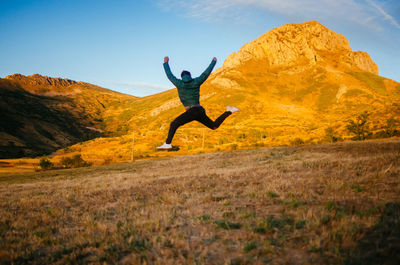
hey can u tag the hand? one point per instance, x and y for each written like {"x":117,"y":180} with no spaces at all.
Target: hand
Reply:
{"x":214,"y":59}
{"x":166,"y":59}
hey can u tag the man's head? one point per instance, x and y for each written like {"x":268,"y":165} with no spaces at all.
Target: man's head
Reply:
{"x":184,"y":72}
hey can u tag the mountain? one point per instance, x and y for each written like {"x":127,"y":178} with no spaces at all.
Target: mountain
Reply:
{"x":305,"y":77}
{"x":295,"y":45}
{"x":291,"y":84}
{"x":41,"y":114}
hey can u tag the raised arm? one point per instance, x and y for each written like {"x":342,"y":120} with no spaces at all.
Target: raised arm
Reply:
{"x":203,"y":77}
{"x":168,"y":72}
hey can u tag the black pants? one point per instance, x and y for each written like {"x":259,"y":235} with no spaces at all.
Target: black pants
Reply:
{"x":195,"y":114}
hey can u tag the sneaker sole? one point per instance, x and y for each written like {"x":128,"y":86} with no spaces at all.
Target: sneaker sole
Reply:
{"x":174,"y":148}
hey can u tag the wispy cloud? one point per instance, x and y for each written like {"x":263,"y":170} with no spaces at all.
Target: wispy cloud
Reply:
{"x":207,"y":10}
{"x":365,"y":12}
{"x":142,"y":85}
{"x":385,"y":15}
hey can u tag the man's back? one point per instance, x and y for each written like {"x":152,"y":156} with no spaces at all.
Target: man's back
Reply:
{"x":188,"y":87}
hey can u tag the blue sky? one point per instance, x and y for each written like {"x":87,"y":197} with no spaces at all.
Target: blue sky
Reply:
{"x":121,"y":44}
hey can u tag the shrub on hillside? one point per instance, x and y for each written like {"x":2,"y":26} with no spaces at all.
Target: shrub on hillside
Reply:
{"x":297,"y":141}
{"x":360,"y":127}
{"x":390,"y":127}
{"x":74,"y":162}
{"x":331,"y":135}
{"x":45,"y":164}
{"x":107,"y":161}
{"x":241,"y":136}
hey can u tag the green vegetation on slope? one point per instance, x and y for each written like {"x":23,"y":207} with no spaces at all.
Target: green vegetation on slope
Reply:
{"x":397,"y":91}
{"x":372,"y":81}
{"x":327,"y":96}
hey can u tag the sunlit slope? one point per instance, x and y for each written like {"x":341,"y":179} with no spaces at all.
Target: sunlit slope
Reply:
{"x":42,"y":114}
{"x":302,"y":75}
{"x":291,"y":83}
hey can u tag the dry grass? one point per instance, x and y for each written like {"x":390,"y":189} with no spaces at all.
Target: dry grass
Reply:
{"x":324,"y":204}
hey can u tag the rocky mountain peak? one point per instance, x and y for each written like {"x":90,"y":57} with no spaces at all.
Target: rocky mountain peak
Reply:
{"x":301,"y":44}
{"x":41,"y":81}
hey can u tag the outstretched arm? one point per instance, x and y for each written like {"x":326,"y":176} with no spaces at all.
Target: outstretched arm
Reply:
{"x":203,"y":77}
{"x":168,"y":72}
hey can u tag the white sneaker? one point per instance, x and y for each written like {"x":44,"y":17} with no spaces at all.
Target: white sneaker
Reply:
{"x":232,"y":109}
{"x":164,"y":146}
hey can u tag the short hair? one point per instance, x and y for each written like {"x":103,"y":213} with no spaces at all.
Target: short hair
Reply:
{"x":184,"y":72}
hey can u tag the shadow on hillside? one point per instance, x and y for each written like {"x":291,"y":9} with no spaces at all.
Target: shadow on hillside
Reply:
{"x":39,"y":125}
{"x":381,"y":244}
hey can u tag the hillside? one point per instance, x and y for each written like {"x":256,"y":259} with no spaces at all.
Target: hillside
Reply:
{"x":292,"y":84}
{"x":316,"y":204}
{"x":42,"y":114}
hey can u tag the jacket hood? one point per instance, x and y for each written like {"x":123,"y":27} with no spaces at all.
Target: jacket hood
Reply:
{"x":187,"y":78}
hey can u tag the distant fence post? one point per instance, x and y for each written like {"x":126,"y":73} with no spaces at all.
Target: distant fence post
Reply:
{"x":202,"y":145}
{"x":133,"y":143}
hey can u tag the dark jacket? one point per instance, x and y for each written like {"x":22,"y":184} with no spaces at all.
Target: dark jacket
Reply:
{"x":189,"y":88}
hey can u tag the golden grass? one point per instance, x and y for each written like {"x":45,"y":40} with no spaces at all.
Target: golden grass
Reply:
{"x":321,"y":204}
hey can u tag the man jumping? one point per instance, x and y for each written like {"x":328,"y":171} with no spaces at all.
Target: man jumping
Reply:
{"x":189,"y":94}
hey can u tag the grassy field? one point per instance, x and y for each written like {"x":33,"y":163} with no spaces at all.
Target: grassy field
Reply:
{"x":319,"y":204}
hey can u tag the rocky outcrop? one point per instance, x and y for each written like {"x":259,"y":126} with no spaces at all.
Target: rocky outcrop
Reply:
{"x":41,"y":81}
{"x":300,"y":44}
{"x":360,"y":60}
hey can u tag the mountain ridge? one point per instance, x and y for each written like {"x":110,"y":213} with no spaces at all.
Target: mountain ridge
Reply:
{"x":294,"y":44}
{"x":38,"y":84}
{"x":41,"y":114}
{"x":291,"y":83}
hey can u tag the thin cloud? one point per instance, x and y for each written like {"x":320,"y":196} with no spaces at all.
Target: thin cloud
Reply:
{"x":142,"y":85}
{"x":385,"y":15}
{"x":363,"y":13}
{"x":211,"y":11}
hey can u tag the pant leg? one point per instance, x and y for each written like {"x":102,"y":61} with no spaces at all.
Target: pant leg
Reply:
{"x":182,"y":119}
{"x":221,"y":118}
{"x":204,"y":119}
